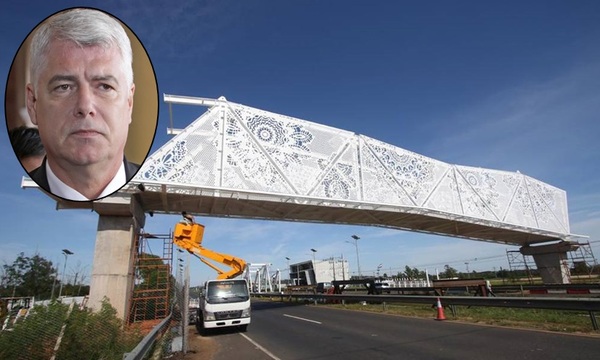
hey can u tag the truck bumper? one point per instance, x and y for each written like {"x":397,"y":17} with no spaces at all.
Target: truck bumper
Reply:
{"x":225,"y":323}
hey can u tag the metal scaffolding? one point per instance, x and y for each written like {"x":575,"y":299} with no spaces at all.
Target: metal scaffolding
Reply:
{"x":519,"y":262}
{"x":583,"y":262}
{"x":153,"y":281}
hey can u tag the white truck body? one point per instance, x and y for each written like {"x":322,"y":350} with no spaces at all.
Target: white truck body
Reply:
{"x":225,"y":303}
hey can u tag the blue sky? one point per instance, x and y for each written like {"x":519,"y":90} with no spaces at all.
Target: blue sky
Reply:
{"x":511,"y":85}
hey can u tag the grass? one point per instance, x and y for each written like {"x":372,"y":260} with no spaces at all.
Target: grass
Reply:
{"x":86,"y":335}
{"x":538,"y":319}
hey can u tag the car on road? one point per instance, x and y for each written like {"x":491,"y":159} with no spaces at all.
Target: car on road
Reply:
{"x":381,"y":287}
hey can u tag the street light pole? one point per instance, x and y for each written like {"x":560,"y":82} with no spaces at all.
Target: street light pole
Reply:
{"x":53,"y":283}
{"x":355,"y":238}
{"x":314,"y":263}
{"x":66,"y":253}
{"x":290,"y":270}
{"x":314,"y":252}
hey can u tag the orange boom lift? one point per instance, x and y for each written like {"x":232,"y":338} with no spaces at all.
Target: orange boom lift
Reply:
{"x":188,"y":235}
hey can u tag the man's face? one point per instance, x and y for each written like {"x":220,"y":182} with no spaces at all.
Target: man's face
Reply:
{"x":82,"y":105}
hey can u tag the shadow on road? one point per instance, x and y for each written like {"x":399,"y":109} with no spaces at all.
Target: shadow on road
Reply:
{"x":261,"y":304}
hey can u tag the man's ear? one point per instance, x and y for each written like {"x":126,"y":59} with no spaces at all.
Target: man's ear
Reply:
{"x":31,"y":104}
{"x":130,"y":101}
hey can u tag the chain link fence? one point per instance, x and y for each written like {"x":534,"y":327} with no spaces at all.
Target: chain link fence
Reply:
{"x":61,"y":330}
{"x":179,"y":328}
{"x":67,"y":329}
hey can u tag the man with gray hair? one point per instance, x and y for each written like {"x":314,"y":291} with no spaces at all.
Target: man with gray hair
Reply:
{"x":80,"y":96}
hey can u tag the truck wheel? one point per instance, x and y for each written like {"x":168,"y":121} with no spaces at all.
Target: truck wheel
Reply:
{"x":244,"y":328}
{"x":200,"y":328}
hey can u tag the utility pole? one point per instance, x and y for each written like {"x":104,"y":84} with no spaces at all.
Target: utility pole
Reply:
{"x":343,"y":270}
{"x":333,"y":266}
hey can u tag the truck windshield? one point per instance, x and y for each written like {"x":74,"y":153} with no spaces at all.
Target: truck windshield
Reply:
{"x":227,"y":291}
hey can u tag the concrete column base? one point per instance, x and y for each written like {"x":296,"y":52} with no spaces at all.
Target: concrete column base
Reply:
{"x":551,"y":261}
{"x":112,"y":272}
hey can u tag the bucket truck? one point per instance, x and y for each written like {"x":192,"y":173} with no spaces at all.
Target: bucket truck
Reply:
{"x":225,"y":301}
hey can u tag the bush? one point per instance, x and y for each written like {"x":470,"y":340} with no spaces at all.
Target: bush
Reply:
{"x":87,"y":335}
{"x":34,"y":337}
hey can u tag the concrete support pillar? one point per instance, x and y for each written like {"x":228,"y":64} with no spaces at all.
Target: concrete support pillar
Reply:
{"x":112,"y":273}
{"x":551,"y":261}
{"x":112,"y":278}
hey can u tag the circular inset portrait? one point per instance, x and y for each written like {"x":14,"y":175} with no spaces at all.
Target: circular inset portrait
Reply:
{"x":81,"y":104}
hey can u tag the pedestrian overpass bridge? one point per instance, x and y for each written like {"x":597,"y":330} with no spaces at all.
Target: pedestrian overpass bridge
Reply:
{"x":240,"y":162}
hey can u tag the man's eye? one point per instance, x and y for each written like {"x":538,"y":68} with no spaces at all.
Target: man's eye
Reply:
{"x":63,"y":87}
{"x":106,"y":87}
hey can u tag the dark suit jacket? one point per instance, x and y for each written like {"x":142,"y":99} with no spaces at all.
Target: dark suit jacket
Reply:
{"x":40,"y":176}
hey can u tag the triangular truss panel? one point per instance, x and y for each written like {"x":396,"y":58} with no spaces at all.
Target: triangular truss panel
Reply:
{"x":278,"y":161}
{"x":188,"y":158}
{"x":446,"y":197}
{"x":379,"y":184}
{"x":477,"y":192}
{"x":521,"y":209}
{"x":415,"y":175}
{"x":549,"y":205}
{"x":247,"y":160}
{"x":338,"y":175}
{"x":284,"y":154}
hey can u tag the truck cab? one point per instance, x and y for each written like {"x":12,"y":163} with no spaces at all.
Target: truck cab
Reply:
{"x":224,"y":303}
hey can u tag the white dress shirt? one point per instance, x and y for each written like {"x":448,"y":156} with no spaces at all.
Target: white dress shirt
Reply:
{"x":59,"y":188}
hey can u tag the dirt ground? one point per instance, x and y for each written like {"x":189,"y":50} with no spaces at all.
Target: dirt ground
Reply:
{"x":199,"y":347}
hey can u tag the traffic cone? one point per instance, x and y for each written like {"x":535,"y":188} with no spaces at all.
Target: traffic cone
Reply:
{"x":440,"y":311}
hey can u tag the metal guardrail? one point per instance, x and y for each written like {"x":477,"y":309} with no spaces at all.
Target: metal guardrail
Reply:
{"x":550,"y":288}
{"x":568,"y":289}
{"x":141,"y":350}
{"x":570,"y":304}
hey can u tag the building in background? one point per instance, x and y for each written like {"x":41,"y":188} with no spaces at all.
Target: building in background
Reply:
{"x":312,"y":272}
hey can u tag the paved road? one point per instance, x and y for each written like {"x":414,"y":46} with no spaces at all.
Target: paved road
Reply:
{"x":289,"y":332}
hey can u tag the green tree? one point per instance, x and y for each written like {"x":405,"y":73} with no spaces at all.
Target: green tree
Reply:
{"x":449,"y":272}
{"x":29,"y":276}
{"x":581,"y":268}
{"x":413,"y":273}
{"x":195,"y":291}
{"x":503,"y":273}
{"x":149,"y":270}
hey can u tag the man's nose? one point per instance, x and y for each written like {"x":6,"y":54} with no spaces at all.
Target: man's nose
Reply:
{"x":84,"y":102}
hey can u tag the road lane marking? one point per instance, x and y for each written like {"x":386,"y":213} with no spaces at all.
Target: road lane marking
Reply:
{"x":299,"y":318}
{"x":270,"y":354}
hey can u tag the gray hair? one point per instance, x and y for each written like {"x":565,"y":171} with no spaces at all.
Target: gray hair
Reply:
{"x":84,"y":27}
